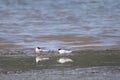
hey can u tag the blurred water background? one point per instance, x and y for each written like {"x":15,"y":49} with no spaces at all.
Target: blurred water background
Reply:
{"x":72,"y":24}
{"x":53,"y":24}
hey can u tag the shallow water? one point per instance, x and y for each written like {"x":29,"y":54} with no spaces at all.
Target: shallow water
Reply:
{"x":53,"y":24}
{"x":87,"y":65}
{"x":84,"y":24}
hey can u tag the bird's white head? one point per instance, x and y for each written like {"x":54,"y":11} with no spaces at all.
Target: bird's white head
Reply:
{"x":38,"y":49}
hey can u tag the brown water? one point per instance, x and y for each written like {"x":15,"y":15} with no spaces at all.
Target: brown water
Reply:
{"x":53,"y":24}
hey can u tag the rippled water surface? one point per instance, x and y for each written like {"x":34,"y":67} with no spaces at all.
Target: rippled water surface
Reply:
{"x":52,"y":24}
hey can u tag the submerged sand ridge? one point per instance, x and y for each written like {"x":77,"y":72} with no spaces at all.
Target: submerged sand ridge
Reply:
{"x":7,"y":44}
{"x":62,"y":41}
{"x":82,"y":42}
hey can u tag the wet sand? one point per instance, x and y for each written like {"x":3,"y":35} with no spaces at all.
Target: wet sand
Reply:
{"x":87,"y":65}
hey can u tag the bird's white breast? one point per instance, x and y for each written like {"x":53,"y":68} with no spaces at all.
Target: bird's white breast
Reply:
{"x":64,"y":51}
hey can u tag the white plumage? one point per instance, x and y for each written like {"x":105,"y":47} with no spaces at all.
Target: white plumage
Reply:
{"x":62,"y":51}
{"x":38,"y":50}
{"x":64,"y":60}
{"x":41,"y":59}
